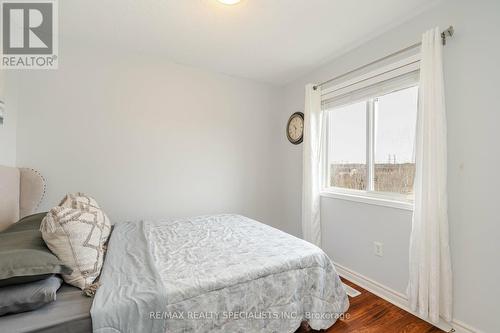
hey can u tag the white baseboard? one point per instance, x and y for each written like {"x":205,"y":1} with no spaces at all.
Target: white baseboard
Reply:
{"x":398,"y":299}
{"x":461,"y":327}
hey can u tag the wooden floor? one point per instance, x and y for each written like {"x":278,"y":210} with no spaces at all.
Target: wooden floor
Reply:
{"x":371,"y":314}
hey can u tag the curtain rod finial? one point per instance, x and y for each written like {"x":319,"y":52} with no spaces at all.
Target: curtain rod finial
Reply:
{"x":448,"y":32}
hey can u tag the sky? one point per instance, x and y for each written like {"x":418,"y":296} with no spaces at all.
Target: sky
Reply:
{"x":395,"y":120}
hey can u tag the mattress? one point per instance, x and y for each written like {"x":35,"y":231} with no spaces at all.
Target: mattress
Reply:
{"x":69,"y":313}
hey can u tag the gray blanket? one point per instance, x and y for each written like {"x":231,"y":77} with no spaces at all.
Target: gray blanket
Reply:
{"x":223,"y":273}
{"x":130,"y":284}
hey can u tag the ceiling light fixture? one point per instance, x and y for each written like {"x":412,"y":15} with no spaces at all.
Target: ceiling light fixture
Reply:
{"x":229,"y":2}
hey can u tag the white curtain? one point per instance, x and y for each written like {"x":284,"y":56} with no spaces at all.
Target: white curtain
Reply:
{"x":430,"y":283}
{"x":313,"y":119}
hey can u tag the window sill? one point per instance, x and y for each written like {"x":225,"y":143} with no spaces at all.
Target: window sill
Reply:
{"x":369,"y":199}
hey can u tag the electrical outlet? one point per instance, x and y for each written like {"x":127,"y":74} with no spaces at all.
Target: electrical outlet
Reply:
{"x":378,"y":249}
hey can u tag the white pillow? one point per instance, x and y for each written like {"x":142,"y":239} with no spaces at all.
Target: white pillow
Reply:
{"x":76,"y":232}
{"x":80,"y":200}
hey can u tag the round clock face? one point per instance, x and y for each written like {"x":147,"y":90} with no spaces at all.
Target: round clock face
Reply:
{"x":295,"y":128}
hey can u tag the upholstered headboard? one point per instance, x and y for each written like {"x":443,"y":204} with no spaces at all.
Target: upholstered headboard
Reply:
{"x":21,"y":191}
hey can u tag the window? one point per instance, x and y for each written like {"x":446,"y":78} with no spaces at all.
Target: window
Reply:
{"x":347,"y":147}
{"x":370,"y":138}
{"x":395,"y":116}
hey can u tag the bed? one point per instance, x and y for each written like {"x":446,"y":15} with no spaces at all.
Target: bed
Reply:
{"x":218,"y":273}
{"x":70,"y":313}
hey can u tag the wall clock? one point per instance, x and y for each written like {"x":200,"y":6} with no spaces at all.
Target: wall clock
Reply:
{"x":295,"y":128}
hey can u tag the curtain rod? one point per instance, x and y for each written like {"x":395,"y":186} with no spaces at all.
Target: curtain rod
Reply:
{"x":448,"y":32}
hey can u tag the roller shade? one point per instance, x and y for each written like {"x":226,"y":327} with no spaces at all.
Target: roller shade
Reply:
{"x":394,"y":77}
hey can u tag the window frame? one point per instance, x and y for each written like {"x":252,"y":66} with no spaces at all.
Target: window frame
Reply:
{"x":368,"y":196}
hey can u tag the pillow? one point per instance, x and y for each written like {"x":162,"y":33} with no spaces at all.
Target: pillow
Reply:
{"x":75,"y":235}
{"x":28,"y":296}
{"x":24,"y":257}
{"x":31,"y":222}
{"x":82,"y":201}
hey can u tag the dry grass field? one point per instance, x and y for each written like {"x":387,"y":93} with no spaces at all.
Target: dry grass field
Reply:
{"x":395,"y":178}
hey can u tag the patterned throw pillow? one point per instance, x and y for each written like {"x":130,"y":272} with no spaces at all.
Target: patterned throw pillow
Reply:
{"x":82,"y":201}
{"x":76,"y":233}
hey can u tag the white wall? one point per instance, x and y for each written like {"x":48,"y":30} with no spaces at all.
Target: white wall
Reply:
{"x":8,"y":94}
{"x":149,"y":138}
{"x":471,"y":73}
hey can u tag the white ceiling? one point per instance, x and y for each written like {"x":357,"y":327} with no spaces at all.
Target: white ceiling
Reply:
{"x":272,"y":41}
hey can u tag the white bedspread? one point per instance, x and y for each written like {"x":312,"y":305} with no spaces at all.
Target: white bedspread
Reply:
{"x":226,"y":273}
{"x":230,"y":270}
